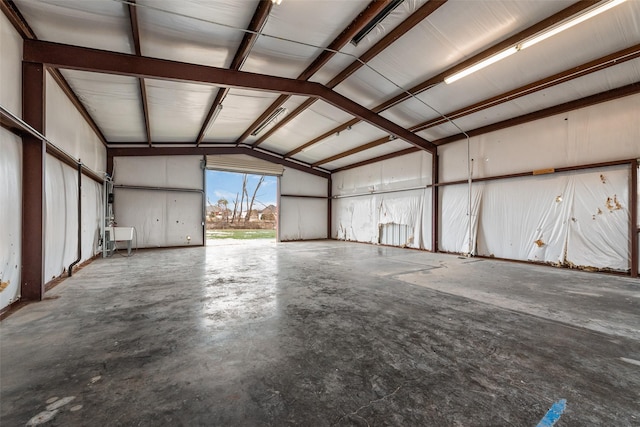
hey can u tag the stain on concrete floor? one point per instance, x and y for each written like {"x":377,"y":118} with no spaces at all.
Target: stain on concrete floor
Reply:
{"x":269,"y":335}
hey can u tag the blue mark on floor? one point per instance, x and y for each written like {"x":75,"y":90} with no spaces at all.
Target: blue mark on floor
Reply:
{"x":553,"y":415}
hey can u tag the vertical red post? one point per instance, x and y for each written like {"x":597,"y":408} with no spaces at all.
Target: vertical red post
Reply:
{"x":329,"y":192}
{"x":633,"y":201}
{"x":33,"y":158}
{"x":435,"y":205}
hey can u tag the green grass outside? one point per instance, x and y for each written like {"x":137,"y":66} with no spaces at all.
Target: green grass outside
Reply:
{"x":241,"y":234}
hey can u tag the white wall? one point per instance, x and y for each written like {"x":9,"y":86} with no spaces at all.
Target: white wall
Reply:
{"x":66,"y":128}
{"x":61,"y":217}
{"x":574,"y":219}
{"x":563,"y":218}
{"x":302,"y":218}
{"x":599,"y":133}
{"x":10,"y":165}
{"x":358,"y":214}
{"x":161,"y":218}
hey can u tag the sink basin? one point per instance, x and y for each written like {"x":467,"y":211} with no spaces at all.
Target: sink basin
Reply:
{"x":120,"y":233}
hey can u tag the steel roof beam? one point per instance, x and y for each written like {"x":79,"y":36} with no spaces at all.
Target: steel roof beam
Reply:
{"x":347,"y":34}
{"x":87,"y":59}
{"x":439,"y":78}
{"x":602,"y":63}
{"x":418,"y":16}
{"x":135,"y":32}
{"x":204,"y":150}
{"x":256,"y":25}
{"x":610,"y":95}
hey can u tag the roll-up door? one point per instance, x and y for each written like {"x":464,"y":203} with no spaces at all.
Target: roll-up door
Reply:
{"x":243,"y":164}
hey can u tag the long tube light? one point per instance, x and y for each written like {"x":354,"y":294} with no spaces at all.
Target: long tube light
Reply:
{"x":570,"y":23}
{"x":480,"y":65}
{"x":213,"y":118}
{"x":268,"y":121}
{"x":534,"y":40}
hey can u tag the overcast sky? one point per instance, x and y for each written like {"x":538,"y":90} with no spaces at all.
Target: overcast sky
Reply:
{"x":227,"y":185}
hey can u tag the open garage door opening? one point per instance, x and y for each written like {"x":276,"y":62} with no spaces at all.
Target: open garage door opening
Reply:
{"x":241,"y":203}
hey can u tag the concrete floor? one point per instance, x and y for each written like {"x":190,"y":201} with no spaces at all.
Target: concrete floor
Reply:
{"x":323,"y":333}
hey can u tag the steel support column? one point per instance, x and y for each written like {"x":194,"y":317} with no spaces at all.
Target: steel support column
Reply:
{"x":329,"y":195}
{"x":633,"y":221}
{"x":435,"y":202}
{"x":33,"y":158}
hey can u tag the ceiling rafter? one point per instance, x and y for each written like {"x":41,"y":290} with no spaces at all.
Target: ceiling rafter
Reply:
{"x":439,"y":78}
{"x":135,"y":32}
{"x":204,"y":150}
{"x":87,"y":59}
{"x":621,"y":92}
{"x":338,"y":43}
{"x":256,"y":25}
{"x":599,"y":64}
{"x":414,"y":19}
{"x":14,"y":16}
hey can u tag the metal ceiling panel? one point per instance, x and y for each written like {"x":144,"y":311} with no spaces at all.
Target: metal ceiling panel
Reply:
{"x":601,"y":81}
{"x":350,"y":52}
{"x":381,"y":150}
{"x":316,"y":119}
{"x":239,"y":109}
{"x":359,"y":134}
{"x":113,"y":101}
{"x":310,"y":23}
{"x":455,"y":31}
{"x":291,"y":104}
{"x":194,"y":31}
{"x":606,"y":33}
{"x":177,"y":109}
{"x":95,"y":24}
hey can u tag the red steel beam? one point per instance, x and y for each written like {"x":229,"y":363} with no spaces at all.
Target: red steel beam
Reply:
{"x":338,"y":43}
{"x":439,"y":78}
{"x":607,"y":61}
{"x":610,"y":95}
{"x":86,"y":59}
{"x":416,"y":17}
{"x":258,"y":21}
{"x":33,"y":158}
{"x":12,"y":13}
{"x":204,"y":150}
{"x":135,"y":32}
{"x":633,"y":210}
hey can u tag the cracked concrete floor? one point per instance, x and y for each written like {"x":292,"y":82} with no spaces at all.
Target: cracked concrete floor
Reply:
{"x":322,"y":333}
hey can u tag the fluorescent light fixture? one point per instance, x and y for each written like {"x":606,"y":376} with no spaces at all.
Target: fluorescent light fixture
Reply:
{"x":570,"y":23}
{"x":480,"y":65}
{"x":268,"y":121}
{"x":603,"y":7}
{"x":277,"y":2}
{"x":214,"y":116}
{"x":374,"y":21}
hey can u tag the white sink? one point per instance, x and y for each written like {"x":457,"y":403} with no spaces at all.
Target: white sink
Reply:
{"x":120,"y":233}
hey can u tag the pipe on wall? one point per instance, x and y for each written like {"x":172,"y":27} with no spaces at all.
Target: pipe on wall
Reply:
{"x":79,"y":219}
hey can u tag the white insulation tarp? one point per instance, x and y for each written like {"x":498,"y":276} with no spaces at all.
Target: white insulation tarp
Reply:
{"x":390,"y":195}
{"x":160,"y":218}
{"x":361,"y":218}
{"x":10,"y":216}
{"x":303,"y":206}
{"x":166,"y":208}
{"x":61,"y":217}
{"x":578,"y":219}
{"x":67,"y":129}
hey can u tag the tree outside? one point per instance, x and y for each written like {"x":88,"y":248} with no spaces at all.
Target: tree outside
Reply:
{"x":241,"y":206}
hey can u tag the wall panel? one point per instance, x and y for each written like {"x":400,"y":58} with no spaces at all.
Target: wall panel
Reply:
{"x":161,"y":217}
{"x":10,"y":216}
{"x":302,"y":218}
